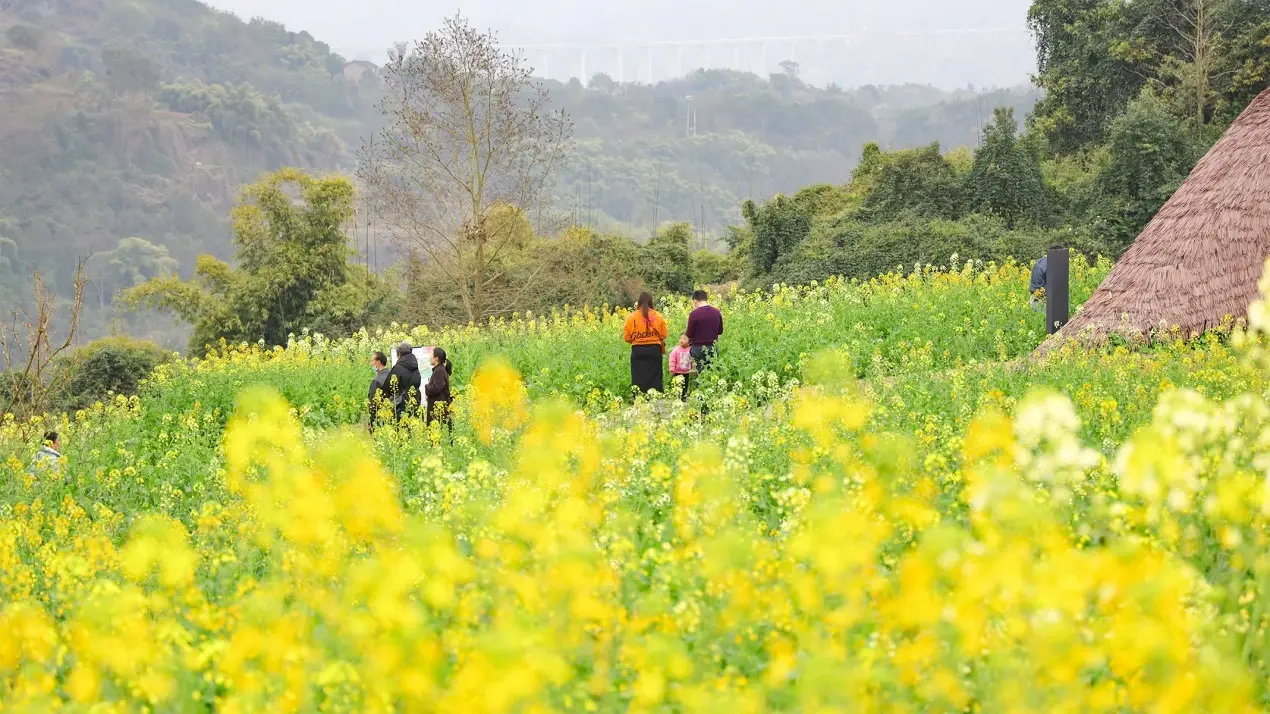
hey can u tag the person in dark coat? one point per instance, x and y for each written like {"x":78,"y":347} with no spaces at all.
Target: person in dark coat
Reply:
{"x":705,"y":326}
{"x":437,"y":390}
{"x":1036,"y":288}
{"x":378,"y":362}
{"x":401,"y":388}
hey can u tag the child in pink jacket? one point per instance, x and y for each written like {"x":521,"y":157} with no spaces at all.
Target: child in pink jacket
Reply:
{"x":681,"y":365}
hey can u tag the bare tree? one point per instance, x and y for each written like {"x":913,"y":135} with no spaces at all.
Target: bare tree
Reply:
{"x":469,"y":133}
{"x":1200,"y":26}
{"x":29,"y":347}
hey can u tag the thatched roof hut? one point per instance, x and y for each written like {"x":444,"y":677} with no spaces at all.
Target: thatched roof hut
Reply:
{"x":1199,"y":259}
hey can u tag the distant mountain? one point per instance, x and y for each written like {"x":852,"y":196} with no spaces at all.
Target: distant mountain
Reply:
{"x":895,"y":41}
{"x":129,"y":124}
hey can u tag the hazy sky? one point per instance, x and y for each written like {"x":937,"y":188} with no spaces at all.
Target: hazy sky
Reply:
{"x":879,"y":53}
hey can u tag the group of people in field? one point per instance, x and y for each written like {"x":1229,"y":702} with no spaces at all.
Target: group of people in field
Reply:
{"x":401,"y":386}
{"x":646,"y":332}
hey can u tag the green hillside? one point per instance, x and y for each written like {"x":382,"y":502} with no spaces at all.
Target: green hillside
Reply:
{"x":139,"y":120}
{"x":129,"y":127}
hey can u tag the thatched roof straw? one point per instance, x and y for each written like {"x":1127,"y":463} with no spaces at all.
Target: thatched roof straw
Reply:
{"x":1199,"y":259}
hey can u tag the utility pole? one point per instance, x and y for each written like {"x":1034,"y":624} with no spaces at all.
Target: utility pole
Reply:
{"x":657,"y":195}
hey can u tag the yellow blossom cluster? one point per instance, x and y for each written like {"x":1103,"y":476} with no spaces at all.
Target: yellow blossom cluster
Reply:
{"x":902,"y":532}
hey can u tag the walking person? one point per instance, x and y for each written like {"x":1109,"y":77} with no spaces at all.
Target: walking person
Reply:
{"x":645,"y":331}
{"x":437,"y":390}
{"x":379,"y":363}
{"x":705,"y":326}
{"x":401,"y":388}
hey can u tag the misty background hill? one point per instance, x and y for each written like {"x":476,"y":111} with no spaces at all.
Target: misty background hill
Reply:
{"x":894,"y":42}
{"x":130,"y":124}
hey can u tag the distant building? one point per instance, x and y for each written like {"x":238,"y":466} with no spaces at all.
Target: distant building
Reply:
{"x":355,"y":70}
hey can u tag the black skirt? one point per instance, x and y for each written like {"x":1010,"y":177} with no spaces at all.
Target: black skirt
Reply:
{"x":646,"y":371}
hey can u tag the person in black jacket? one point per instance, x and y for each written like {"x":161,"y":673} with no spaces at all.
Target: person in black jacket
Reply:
{"x":401,"y":388}
{"x":437,"y":390}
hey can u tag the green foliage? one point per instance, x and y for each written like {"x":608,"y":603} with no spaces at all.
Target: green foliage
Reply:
{"x":778,"y":227}
{"x":635,"y":168}
{"x":916,"y":182}
{"x":1248,"y":59}
{"x":242,"y":116}
{"x":1006,"y":179}
{"x":956,"y":120}
{"x":585,"y":268}
{"x":710,"y":268}
{"x":128,"y":70}
{"x":1206,"y":58}
{"x":292,"y":275}
{"x":112,"y":365}
{"x":1149,"y":156}
{"x":852,"y":248}
{"x":131,"y":262}
{"x":1088,"y":64}
{"x":667,"y":265}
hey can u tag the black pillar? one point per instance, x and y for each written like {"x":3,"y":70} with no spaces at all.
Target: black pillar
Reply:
{"x":1056,"y":281}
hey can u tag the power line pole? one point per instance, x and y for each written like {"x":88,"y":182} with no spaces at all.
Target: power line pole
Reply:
{"x":657,"y":195}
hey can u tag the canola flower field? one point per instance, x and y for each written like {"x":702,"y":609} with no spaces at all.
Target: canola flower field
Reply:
{"x":887,"y":508}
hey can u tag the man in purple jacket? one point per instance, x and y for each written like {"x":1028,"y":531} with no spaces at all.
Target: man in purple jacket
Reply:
{"x":705,"y":324}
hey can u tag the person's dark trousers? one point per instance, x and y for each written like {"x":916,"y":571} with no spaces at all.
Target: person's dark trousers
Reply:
{"x":702,"y":356}
{"x":683,"y":388}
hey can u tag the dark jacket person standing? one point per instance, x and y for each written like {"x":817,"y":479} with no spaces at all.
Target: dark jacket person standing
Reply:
{"x":437,"y":390}
{"x":402,"y":386}
{"x":705,"y":326}
{"x":1037,"y":284}
{"x":379,"y":362}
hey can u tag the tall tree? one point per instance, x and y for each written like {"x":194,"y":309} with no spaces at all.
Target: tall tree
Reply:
{"x":1200,"y":29}
{"x":1006,"y":179}
{"x":131,"y":262}
{"x":778,"y":227}
{"x":1150,"y":155}
{"x":293,"y":271}
{"x":1089,"y":66}
{"x":914,"y":182}
{"x":468,"y":128}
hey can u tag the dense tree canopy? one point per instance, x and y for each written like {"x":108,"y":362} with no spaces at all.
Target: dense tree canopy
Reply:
{"x":293,"y":272}
{"x":1006,"y":179}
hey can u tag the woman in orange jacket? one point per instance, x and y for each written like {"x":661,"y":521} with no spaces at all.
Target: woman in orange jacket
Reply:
{"x":645,"y":331}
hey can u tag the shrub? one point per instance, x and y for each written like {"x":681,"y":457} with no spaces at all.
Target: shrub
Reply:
{"x":110,"y":365}
{"x":714,"y":268}
{"x":24,"y":36}
{"x":855,"y":249}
